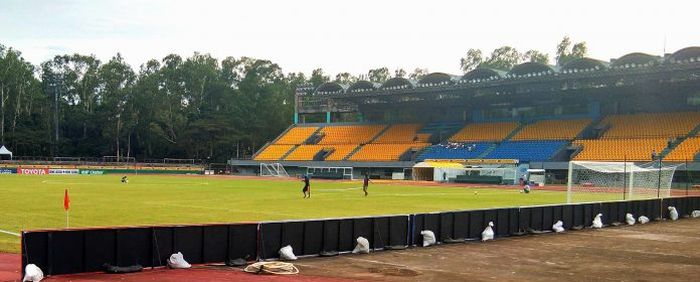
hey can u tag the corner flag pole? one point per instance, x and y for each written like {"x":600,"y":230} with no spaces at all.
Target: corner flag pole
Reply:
{"x":66,"y":205}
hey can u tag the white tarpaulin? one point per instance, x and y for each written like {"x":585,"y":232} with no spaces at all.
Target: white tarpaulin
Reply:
{"x":5,"y":151}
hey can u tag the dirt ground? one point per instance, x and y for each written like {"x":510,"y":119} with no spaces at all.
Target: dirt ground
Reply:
{"x":659,"y":251}
{"x":664,"y":251}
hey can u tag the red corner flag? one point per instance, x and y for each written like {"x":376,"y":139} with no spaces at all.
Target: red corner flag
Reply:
{"x":66,"y":201}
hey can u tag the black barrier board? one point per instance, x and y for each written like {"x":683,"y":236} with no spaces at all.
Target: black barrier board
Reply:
{"x":100,"y":245}
{"x":476,"y":224}
{"x":502,"y":217}
{"x":346,"y":240}
{"x":398,"y":231}
{"x":134,"y":247}
{"x":446,"y":226}
{"x":381,"y":232}
{"x":313,"y":237}
{"x":162,"y":245}
{"x":243,"y":241}
{"x":188,"y":240}
{"x":215,"y":243}
{"x":331,"y":230}
{"x":293,"y":235}
{"x":35,"y":250}
{"x":271,"y":240}
{"x":461,"y":225}
{"x":67,"y":251}
{"x":513,"y":221}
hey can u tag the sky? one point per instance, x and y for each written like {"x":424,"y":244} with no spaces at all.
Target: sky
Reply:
{"x":342,"y":36}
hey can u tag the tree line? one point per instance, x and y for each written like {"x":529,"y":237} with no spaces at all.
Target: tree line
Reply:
{"x":196,"y":107}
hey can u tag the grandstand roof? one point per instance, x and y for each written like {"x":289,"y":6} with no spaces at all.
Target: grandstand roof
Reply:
{"x":362,"y":86}
{"x":397,"y":83}
{"x":483,"y":74}
{"x":634,"y":59}
{"x":584,"y":64}
{"x":530,"y":68}
{"x":436,"y":78}
{"x":329,"y":88}
{"x":689,"y":54}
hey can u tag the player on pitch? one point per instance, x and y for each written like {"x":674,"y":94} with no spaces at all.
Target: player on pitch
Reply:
{"x":365,"y":183}
{"x":307,"y":186}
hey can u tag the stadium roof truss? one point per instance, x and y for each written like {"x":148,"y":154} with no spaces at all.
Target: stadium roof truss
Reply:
{"x":583,"y":75}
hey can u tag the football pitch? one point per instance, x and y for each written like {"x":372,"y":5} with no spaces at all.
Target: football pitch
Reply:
{"x":36,"y":202}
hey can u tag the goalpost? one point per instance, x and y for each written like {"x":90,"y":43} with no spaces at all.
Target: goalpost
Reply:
{"x":273,"y":169}
{"x":596,"y":181}
{"x":507,"y":172}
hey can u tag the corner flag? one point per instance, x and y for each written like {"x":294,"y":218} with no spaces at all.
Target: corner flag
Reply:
{"x":66,"y":201}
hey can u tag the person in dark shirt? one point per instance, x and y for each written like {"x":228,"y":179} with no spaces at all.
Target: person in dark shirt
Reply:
{"x":365,"y":183}
{"x":125,"y":180}
{"x":307,"y":186}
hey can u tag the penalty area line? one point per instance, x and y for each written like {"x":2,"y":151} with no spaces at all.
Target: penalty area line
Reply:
{"x":9,"y":233}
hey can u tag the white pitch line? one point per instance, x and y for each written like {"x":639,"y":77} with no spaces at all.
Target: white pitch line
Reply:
{"x":9,"y":233}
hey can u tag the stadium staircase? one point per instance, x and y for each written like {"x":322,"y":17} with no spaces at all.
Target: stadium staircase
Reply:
{"x":590,"y":131}
{"x":680,"y":140}
{"x":264,"y":147}
{"x":289,"y":152}
{"x":315,"y":137}
{"x":440,"y":131}
{"x":488,"y":151}
{"x":508,"y":137}
{"x":359,"y":147}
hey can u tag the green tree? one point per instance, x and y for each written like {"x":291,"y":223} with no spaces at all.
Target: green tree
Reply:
{"x":379,"y":75}
{"x":566,"y":52}
{"x":473,"y":59}
{"x":535,"y":56}
{"x":418,"y":73}
{"x":345,"y":78}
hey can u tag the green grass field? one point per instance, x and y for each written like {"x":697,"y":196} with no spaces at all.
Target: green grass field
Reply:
{"x":36,"y":202}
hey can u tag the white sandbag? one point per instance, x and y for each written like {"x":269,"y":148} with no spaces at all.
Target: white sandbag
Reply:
{"x":672,"y":213}
{"x":629,"y":218}
{"x":286,"y":253}
{"x":558,"y":226}
{"x":643,"y":220}
{"x":362,"y":246}
{"x":695,"y":214}
{"x":32,"y":273}
{"x":178,"y":261}
{"x":598,"y":221}
{"x":488,"y":233}
{"x":428,"y":238}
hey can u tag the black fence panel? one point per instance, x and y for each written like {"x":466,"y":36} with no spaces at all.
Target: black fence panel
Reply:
{"x":363,"y":227}
{"x":243,"y":241}
{"x":446,"y":226}
{"x":270,"y":240}
{"x":163,"y":245}
{"x":100,"y":244}
{"x":460,"y":230}
{"x":331,"y":236}
{"x":398,"y":231}
{"x":293,"y":235}
{"x":189,"y":241}
{"x":346,"y":240}
{"x":35,"y":250}
{"x":133,"y":247}
{"x":476,"y":224}
{"x":513,"y":221}
{"x":503,"y":220}
{"x":66,"y":252}
{"x":215,"y":243}
{"x":313,"y":237}
{"x":567,"y":216}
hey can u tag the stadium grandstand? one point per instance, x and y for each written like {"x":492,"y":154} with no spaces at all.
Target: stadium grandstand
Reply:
{"x":636,"y":108}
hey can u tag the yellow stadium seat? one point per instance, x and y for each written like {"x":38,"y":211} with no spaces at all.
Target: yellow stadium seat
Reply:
{"x":307,"y":152}
{"x":400,"y":133}
{"x":384,"y":152}
{"x":273,"y":152}
{"x":494,"y":131}
{"x":349,"y":134}
{"x":552,"y":130}
{"x":662,"y":125}
{"x":630,"y":149}
{"x":296,"y":135}
{"x":685,"y":151}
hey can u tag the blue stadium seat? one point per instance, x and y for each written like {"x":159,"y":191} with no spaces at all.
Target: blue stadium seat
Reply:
{"x":526,"y":151}
{"x":454,"y":151}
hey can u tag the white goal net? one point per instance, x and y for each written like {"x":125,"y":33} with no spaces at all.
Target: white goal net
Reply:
{"x":600,"y":181}
{"x":273,"y":169}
